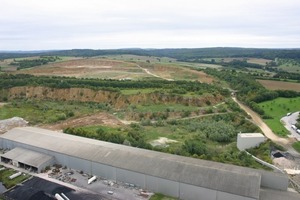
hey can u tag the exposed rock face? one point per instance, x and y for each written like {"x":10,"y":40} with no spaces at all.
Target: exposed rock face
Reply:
{"x":116,"y":99}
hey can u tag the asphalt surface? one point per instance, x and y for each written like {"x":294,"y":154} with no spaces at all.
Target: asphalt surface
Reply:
{"x":40,"y":189}
{"x":289,"y":121}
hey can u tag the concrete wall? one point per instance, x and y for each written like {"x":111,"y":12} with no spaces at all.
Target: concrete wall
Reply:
{"x":104,"y":171}
{"x":193,"y":192}
{"x":45,"y":164}
{"x":226,"y":196}
{"x":246,"y":140}
{"x":130,"y":177}
{"x":275,"y":181}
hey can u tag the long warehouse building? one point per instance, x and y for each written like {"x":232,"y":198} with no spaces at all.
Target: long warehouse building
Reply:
{"x":177,"y":176}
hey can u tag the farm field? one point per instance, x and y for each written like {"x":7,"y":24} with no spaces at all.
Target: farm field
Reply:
{"x":278,"y":108}
{"x":280,"y":85}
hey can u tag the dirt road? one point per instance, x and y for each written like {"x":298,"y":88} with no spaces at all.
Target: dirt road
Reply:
{"x":150,"y":73}
{"x":285,"y":142}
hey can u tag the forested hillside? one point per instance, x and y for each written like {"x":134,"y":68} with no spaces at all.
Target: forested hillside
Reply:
{"x":180,"y":54}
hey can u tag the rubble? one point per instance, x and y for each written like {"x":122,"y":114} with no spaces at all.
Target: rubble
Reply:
{"x":7,"y":124}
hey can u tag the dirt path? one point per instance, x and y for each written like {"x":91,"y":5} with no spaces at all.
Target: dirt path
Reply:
{"x":150,"y":73}
{"x":285,"y":142}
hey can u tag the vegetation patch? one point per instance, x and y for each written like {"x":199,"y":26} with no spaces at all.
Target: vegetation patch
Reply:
{"x":4,"y":178}
{"x":161,"y":197}
{"x":296,"y":146}
{"x":276,"y":109}
{"x":211,"y":138}
{"x":48,"y":112}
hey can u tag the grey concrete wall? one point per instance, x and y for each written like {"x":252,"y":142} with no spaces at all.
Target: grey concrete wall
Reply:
{"x":104,"y":171}
{"x":80,"y":164}
{"x":167,"y":187}
{"x":195,"y":193}
{"x":130,"y":177}
{"x":227,"y":196}
{"x":60,"y":158}
{"x":44,"y":165}
{"x":151,"y":183}
{"x":275,"y":181}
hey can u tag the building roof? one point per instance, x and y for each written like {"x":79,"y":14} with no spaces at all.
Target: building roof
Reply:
{"x":212,"y":175}
{"x":250,"y":135}
{"x":27,"y":157}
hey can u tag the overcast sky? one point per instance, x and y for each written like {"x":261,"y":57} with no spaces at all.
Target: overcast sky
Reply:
{"x":110,"y":24}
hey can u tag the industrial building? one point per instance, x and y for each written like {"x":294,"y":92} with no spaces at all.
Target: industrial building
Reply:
{"x":177,"y":176}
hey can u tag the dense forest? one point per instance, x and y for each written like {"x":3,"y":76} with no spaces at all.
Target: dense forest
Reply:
{"x":180,"y":54}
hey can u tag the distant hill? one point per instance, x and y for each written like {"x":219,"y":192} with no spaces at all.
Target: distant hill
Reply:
{"x":180,"y":54}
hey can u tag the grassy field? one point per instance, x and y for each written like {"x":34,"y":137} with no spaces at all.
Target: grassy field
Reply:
{"x":289,"y":65}
{"x":277,"y":109}
{"x":4,"y":178}
{"x":45,"y":112}
{"x":161,"y":197}
{"x":280,"y":85}
{"x":296,"y":146}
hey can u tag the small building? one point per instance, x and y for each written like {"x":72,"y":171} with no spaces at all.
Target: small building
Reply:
{"x":249,"y":140}
{"x":24,"y":158}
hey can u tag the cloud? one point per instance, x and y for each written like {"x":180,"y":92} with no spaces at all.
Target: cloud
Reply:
{"x":62,"y":24}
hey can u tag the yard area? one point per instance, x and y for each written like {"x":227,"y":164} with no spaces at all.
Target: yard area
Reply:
{"x":276,"y":109}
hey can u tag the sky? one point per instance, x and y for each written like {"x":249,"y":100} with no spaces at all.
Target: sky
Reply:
{"x":113,"y":24}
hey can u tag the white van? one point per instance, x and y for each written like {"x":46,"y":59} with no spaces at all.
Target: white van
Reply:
{"x":298,"y":131}
{"x":294,"y":127}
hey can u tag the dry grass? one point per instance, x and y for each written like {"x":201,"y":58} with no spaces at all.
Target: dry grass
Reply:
{"x":117,"y":69}
{"x":280,"y":85}
{"x":174,"y":72}
{"x":88,"y":68}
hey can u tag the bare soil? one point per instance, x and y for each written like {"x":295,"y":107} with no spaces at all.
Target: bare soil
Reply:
{"x":89,"y":120}
{"x":85,"y":68}
{"x":280,"y":85}
{"x":170,"y":72}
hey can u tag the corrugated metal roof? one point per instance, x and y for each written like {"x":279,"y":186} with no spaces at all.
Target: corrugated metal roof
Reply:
{"x":27,"y":157}
{"x":223,"y":177}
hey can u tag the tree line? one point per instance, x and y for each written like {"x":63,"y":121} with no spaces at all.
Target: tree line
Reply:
{"x":176,"y":87}
{"x":28,"y":63}
{"x":180,"y":54}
